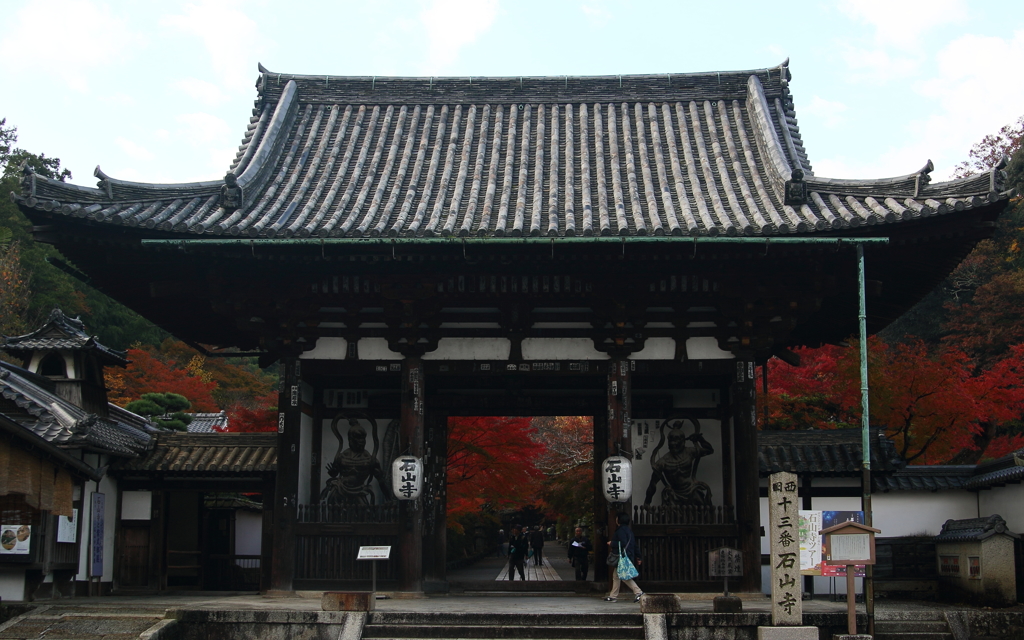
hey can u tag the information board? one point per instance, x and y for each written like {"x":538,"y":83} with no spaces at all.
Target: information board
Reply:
{"x":373,"y":553}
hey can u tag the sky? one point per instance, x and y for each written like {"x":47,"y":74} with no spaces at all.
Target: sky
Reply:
{"x":162,"y":91}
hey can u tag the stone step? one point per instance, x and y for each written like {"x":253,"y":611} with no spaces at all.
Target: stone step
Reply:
{"x":912,"y":635}
{"x":508,"y":619}
{"x":560,"y":632}
{"x":897,"y":626}
{"x":897,"y":616}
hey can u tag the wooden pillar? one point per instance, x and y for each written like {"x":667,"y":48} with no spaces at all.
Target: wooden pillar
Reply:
{"x":435,"y":545}
{"x":267,"y":535}
{"x":410,"y":540}
{"x":620,"y":407}
{"x":286,"y":489}
{"x":743,"y":407}
{"x":599,"y":536}
{"x":157,"y":526}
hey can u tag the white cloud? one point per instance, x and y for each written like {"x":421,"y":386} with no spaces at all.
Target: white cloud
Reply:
{"x":597,"y":16}
{"x":201,"y":90}
{"x":66,"y":38}
{"x":829,"y":112}
{"x":451,"y":25}
{"x":901,"y":23}
{"x":133,"y":150}
{"x":203,"y":130}
{"x":232,"y":39}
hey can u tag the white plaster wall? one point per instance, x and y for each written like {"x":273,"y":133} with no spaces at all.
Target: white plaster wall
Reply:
{"x":470,"y":349}
{"x":248,"y":533}
{"x":136,"y":505}
{"x":561,"y":349}
{"x":709,"y":470}
{"x":657,"y":349}
{"x":1006,"y":501}
{"x":12,"y":585}
{"x":375,"y":349}
{"x":920,"y":513}
{"x":330,"y":448}
{"x":327,"y":349}
{"x":705,"y":348}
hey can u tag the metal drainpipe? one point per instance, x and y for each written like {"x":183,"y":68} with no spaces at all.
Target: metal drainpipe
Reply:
{"x":865,"y":421}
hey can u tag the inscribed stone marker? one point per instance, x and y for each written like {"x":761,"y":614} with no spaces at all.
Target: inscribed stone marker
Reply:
{"x":783,"y":510}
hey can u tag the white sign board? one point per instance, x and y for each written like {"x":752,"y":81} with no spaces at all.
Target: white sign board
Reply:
{"x":374,"y":553}
{"x":67,"y":527}
{"x":851,"y":546}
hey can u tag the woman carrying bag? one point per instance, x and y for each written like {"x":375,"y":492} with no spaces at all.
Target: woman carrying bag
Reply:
{"x":624,"y":554}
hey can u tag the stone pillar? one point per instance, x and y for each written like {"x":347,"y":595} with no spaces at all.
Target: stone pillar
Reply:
{"x":410,"y":540}
{"x":784,"y":534}
{"x":286,"y":489}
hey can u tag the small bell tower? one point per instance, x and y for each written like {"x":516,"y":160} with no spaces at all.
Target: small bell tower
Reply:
{"x":62,"y":351}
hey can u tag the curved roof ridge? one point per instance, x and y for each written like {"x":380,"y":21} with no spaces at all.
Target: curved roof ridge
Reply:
{"x":739,"y":73}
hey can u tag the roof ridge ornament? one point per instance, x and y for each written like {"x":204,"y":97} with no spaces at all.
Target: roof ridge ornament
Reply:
{"x":103,"y":182}
{"x":796,"y":188}
{"x":997,"y":178}
{"x":923,"y":178}
{"x":230,"y":193}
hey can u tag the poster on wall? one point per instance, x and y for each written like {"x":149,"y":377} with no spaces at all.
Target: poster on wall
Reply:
{"x":15,"y":539}
{"x":67,"y":527}
{"x":812,"y":545}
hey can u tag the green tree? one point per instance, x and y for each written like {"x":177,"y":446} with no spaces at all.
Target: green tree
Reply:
{"x":165,"y":409}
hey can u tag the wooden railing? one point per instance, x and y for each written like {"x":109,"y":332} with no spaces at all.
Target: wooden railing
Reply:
{"x":333,"y":557}
{"x":348,"y":514}
{"x":679,"y":558}
{"x":694,"y":515}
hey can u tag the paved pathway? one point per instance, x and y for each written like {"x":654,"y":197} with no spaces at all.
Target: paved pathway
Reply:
{"x":543,"y":571}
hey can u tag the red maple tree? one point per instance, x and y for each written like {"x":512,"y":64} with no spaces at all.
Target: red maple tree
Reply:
{"x":149,"y":373}
{"x":491,"y":461}
{"x":933,"y":405}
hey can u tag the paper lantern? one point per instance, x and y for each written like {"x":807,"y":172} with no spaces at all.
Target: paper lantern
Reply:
{"x":407,"y":477}
{"x":617,"y":479}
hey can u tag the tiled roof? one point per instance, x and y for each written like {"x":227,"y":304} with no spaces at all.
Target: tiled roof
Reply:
{"x":707,"y":154}
{"x":973,"y":529}
{"x":996,"y":473}
{"x":59,"y":422}
{"x":208,"y":422}
{"x":207,"y":454}
{"x":924,"y":478}
{"x":62,"y":332}
{"x":835,"y":452}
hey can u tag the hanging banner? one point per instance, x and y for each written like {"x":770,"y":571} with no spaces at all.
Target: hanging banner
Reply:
{"x":96,"y":547}
{"x":407,"y":477}
{"x":617,"y":479}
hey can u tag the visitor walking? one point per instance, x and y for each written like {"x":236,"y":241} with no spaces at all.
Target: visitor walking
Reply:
{"x":578,"y":548}
{"x":537,"y":542}
{"x":500,"y":546}
{"x":623,"y":542}
{"x":517,"y":546}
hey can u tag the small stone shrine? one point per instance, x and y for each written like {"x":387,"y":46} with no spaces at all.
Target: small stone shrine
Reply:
{"x":976,"y":561}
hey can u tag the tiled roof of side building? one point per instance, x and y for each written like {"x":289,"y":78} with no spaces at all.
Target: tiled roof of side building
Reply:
{"x":208,"y":422}
{"x":825,"y":452}
{"x":973,"y":529}
{"x":206,"y":454}
{"x":706,"y":154}
{"x":61,"y":423}
{"x":62,"y":332}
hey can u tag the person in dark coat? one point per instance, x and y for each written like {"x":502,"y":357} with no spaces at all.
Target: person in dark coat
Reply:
{"x":624,"y":539}
{"x":578,"y":548}
{"x":517,"y":546}
{"x":537,"y":542}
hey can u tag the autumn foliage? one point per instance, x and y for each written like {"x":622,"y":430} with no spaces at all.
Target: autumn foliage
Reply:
{"x":934,"y":405}
{"x":492,"y":463}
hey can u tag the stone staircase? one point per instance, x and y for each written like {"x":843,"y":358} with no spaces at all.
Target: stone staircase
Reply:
{"x":912,"y":625}
{"x":465,"y":626}
{"x":71,"y":622}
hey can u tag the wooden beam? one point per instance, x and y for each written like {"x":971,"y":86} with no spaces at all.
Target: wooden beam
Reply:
{"x":286,"y":490}
{"x":411,"y":437}
{"x":743,"y":410}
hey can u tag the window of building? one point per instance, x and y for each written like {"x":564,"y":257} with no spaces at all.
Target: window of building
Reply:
{"x":974,"y":566}
{"x":949,"y":565}
{"x":53,"y":366}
